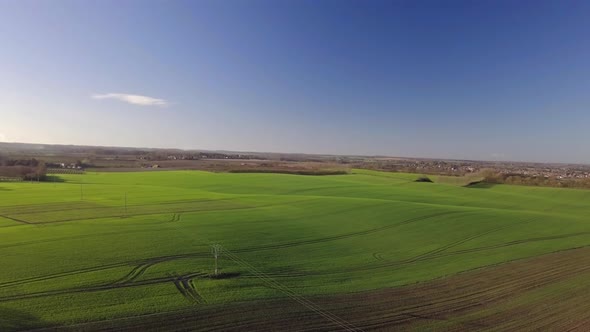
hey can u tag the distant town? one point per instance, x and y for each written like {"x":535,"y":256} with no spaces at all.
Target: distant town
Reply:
{"x":464,"y":167}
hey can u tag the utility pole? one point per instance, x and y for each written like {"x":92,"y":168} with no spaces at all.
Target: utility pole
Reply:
{"x":216,"y":251}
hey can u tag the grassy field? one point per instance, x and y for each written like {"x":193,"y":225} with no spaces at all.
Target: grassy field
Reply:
{"x":104,"y":246}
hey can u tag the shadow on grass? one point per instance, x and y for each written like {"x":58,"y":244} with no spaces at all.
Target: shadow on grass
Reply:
{"x":480,"y":185}
{"x":54,"y":178}
{"x":16,"y":320}
{"x":226,"y":275}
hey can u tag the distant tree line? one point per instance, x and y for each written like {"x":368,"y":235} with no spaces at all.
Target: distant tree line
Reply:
{"x":24,"y":169}
{"x":293,"y":171}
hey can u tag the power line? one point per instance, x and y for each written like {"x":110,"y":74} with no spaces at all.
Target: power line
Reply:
{"x":294,"y":296}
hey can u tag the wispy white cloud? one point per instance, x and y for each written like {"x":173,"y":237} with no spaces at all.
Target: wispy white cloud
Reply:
{"x":2,"y":137}
{"x":133,"y":99}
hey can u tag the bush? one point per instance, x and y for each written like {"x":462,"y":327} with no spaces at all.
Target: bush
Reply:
{"x":423,"y":179}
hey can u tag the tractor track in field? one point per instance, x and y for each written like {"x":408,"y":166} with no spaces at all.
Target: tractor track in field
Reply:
{"x":48,"y":207}
{"x":120,"y":211}
{"x":136,"y":272}
{"x":185,"y":280}
{"x":297,"y":192}
{"x":475,"y":294}
{"x":186,"y":287}
{"x":152,"y":261}
{"x":429,"y":256}
{"x":175,"y":217}
{"x":119,"y":214}
{"x":436,"y":252}
{"x":73,"y":237}
{"x":87,"y":289}
{"x":115,"y":214}
{"x":141,"y":268}
{"x":20,"y":221}
{"x":299,"y":298}
{"x":492,"y":292}
{"x":61,"y":274}
{"x":21,"y":209}
{"x":439,"y":252}
{"x":490,"y":298}
{"x":343,"y":236}
{"x":516,"y":242}
{"x":142,"y":265}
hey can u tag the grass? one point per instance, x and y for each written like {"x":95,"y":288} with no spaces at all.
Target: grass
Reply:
{"x":72,"y":252}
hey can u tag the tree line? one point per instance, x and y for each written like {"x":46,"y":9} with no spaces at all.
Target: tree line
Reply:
{"x":24,"y":169}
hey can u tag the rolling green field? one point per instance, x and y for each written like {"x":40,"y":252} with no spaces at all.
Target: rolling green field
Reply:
{"x":74,"y":251}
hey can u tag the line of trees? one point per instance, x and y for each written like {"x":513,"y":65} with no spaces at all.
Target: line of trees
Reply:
{"x":24,"y":169}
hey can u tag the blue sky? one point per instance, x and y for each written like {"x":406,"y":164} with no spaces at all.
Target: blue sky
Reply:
{"x":505,"y":80}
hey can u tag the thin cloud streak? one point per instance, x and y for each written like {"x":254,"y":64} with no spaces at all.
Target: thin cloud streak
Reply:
{"x":133,"y":99}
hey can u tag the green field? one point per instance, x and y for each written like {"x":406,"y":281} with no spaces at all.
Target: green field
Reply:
{"x":74,"y":252}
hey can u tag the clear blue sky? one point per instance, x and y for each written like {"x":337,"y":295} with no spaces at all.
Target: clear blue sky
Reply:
{"x":453,"y":79}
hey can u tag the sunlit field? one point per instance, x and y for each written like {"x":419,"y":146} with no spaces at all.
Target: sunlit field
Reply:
{"x":103,"y":246}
